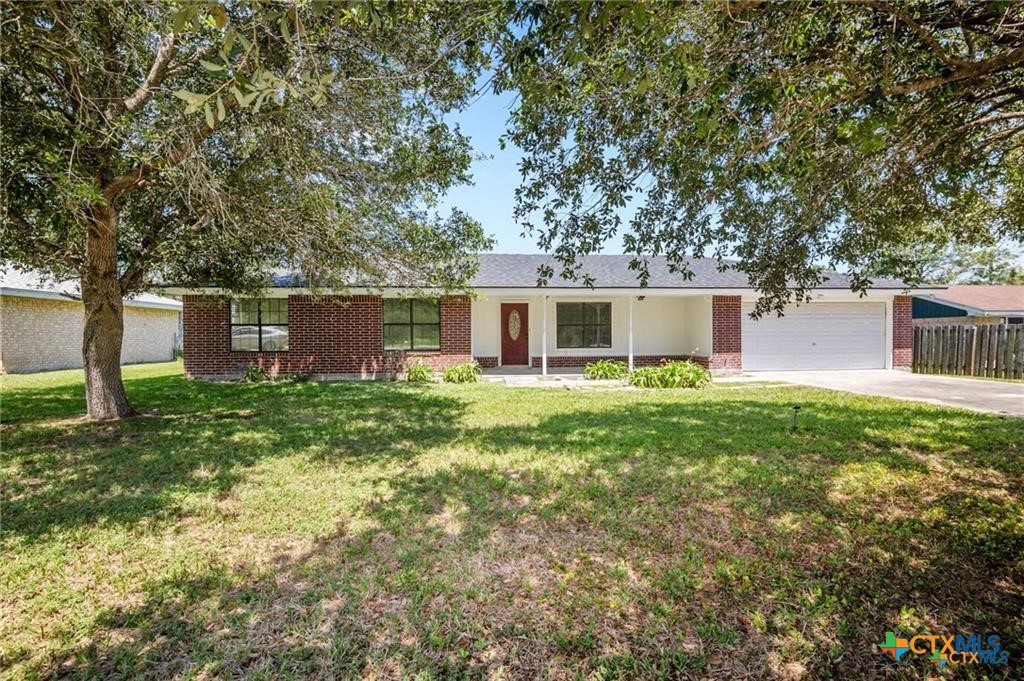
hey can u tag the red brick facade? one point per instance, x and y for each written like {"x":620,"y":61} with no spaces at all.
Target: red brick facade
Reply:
{"x":902,"y":331}
{"x":726,"y":333}
{"x":327,"y":335}
{"x":563,"y":361}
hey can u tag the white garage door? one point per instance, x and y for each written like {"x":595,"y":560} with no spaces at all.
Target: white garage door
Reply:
{"x":816,"y":336}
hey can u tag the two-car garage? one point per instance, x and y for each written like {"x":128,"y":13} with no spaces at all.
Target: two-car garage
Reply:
{"x":816,"y":336}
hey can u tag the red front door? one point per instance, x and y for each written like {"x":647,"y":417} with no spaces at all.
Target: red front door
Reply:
{"x":515,"y":335}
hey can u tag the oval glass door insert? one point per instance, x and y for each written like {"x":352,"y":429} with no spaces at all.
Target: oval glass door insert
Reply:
{"x":514,"y":325}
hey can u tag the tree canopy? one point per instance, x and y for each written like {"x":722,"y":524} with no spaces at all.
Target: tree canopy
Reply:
{"x":939,"y":261}
{"x":236,"y":137}
{"x":793,"y":136}
{"x":208,"y":142}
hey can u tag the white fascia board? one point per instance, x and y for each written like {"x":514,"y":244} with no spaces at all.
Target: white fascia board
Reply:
{"x":71,"y":298}
{"x":285,"y":291}
{"x":531,"y":291}
{"x":44,"y":295}
{"x":153,"y":305}
{"x":840,"y":295}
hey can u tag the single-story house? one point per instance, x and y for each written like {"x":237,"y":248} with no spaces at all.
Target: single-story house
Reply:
{"x":41,"y":325}
{"x":971,"y":305}
{"x":507,"y":320}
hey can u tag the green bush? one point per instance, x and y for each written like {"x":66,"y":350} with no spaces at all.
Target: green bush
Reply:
{"x":419,"y":373}
{"x":645,"y":377}
{"x":671,"y":375}
{"x":256,"y":374}
{"x":462,"y":373}
{"x":605,"y":369}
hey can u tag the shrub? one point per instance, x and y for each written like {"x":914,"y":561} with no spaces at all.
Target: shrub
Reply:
{"x":671,"y":375}
{"x":645,"y":377}
{"x":255,"y":374}
{"x":462,"y":373}
{"x":419,"y":373}
{"x":605,"y":369}
{"x":684,"y":375}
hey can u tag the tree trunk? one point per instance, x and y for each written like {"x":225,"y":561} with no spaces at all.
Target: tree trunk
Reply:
{"x":104,"y":319}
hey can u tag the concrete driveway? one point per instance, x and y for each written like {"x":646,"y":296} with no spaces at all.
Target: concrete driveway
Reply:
{"x":999,"y":397}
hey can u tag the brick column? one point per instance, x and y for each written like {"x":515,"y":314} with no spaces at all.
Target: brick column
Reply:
{"x":726,"y":334}
{"x":455,"y":328}
{"x":205,"y":326}
{"x":902,"y":331}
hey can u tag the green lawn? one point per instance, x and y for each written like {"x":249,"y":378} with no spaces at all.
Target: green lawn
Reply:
{"x":392,"y":530}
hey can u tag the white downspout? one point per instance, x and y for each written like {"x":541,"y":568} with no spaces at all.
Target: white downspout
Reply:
{"x":631,"y":333}
{"x":544,"y":336}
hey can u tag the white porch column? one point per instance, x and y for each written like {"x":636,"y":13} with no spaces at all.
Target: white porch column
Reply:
{"x":544,"y":336}
{"x":630,"y":333}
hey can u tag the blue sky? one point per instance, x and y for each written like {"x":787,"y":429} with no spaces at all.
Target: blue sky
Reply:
{"x":491,"y":197}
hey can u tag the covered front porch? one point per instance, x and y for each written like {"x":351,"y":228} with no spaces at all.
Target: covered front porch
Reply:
{"x":560,"y":332}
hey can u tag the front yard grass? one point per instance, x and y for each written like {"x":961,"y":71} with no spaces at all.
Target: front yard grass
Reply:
{"x":391,"y":530}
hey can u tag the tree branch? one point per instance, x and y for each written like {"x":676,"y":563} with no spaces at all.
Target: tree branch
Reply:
{"x":134,"y":273}
{"x":970,"y":70}
{"x":137,"y":176}
{"x":44,"y":245}
{"x":165,"y":52}
{"x":918,"y":29}
{"x":205,"y":53}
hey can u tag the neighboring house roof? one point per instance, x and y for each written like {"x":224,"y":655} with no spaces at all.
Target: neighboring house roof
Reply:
{"x":507,"y":270}
{"x":31,"y":284}
{"x":982,"y":300}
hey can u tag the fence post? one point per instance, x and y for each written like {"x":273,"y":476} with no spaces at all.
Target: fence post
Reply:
{"x":974,"y":350}
{"x":1019,"y":352}
{"x":916,"y":345}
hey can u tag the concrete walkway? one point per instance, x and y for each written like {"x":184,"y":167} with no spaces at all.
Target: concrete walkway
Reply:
{"x":997,"y":397}
{"x":572,"y":378}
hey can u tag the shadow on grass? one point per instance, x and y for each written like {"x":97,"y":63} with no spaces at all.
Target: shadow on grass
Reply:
{"x":636,"y":537}
{"x":197,"y":437}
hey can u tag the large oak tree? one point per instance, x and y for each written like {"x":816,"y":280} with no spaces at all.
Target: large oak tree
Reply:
{"x":209,"y":142}
{"x":793,"y":136}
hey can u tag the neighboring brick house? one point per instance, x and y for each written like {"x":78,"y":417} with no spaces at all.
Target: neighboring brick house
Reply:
{"x":506,"y":319}
{"x":41,"y":325}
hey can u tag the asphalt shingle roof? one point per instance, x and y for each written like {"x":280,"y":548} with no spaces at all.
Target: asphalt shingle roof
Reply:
{"x":512,"y":270}
{"x":500,"y":270}
{"x":985,"y":297}
{"x":33,"y":284}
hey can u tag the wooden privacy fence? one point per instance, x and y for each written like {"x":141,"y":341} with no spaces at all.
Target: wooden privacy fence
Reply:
{"x":995,"y":350}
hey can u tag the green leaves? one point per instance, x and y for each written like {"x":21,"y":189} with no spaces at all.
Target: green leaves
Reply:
{"x":193,"y":101}
{"x":308,"y":172}
{"x":786,"y":136}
